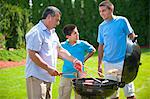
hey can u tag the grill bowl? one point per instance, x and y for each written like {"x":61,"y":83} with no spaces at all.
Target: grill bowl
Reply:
{"x":96,"y":89}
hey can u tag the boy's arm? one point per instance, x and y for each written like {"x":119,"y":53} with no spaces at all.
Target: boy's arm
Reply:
{"x":89,"y":55}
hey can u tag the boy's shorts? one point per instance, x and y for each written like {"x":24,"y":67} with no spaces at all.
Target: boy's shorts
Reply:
{"x":65,"y":89}
{"x":116,"y":75}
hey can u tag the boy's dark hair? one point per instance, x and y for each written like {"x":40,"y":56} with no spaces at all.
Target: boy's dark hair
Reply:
{"x":107,"y":3}
{"x":50,"y":10}
{"x":68,"y":29}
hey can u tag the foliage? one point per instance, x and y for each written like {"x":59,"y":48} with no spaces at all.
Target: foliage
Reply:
{"x":61,"y":4}
{"x":137,"y":13}
{"x":14,"y":55}
{"x":2,"y":41}
{"x":14,"y":23}
{"x":20,"y":3}
{"x":38,"y":7}
{"x":13,"y":79}
{"x":83,"y":13}
{"x":90,"y":20}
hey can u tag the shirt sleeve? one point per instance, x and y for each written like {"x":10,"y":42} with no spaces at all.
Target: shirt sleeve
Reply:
{"x":34,"y":41}
{"x":88,"y":47}
{"x":57,"y":40}
{"x":127,"y":27}
{"x":100,"y":38}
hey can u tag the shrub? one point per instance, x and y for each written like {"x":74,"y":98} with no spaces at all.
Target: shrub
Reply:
{"x":14,"y":55}
{"x":14,"y":23}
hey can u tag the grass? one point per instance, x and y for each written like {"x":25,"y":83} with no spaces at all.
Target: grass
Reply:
{"x":12,"y":83}
{"x":12,"y":80}
{"x":14,"y":55}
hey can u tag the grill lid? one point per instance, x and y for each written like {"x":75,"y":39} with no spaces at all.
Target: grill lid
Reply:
{"x":131,"y":62}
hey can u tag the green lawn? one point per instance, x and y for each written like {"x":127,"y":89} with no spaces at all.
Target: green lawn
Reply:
{"x":12,"y":80}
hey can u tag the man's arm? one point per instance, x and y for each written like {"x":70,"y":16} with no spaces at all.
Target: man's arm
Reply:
{"x":36,"y":58}
{"x":100,"y":57}
{"x":64,"y":54}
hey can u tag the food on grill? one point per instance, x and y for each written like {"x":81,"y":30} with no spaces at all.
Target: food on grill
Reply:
{"x":82,"y":74}
{"x":89,"y":81}
{"x":105,"y":81}
{"x":113,"y":71}
{"x":86,"y":83}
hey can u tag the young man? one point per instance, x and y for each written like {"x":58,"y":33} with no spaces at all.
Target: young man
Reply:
{"x":43,"y":48}
{"x":80,"y":49}
{"x":112,"y":38}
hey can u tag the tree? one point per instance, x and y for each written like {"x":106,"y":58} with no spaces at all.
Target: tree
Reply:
{"x":13,"y":25}
{"x":91,"y":21}
{"x":137,"y":14}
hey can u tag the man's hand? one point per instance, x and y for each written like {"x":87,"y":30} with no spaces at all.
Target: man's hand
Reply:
{"x":77,"y":65}
{"x":53,"y":72}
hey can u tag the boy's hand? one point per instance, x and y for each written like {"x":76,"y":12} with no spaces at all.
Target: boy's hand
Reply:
{"x":78,"y":65}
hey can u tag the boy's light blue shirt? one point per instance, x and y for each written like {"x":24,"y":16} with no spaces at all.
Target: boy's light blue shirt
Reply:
{"x":78,"y":50}
{"x":113,"y":34}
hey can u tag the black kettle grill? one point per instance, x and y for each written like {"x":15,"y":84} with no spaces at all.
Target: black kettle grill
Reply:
{"x":89,"y":88}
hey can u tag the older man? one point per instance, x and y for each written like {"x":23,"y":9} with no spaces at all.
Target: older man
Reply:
{"x":43,"y":48}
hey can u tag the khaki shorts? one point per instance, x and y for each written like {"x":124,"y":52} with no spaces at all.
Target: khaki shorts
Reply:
{"x":128,"y":89}
{"x":38,"y":89}
{"x":65,"y":89}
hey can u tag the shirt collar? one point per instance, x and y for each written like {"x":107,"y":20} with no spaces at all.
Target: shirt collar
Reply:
{"x":44,"y":28}
{"x":42,"y":25}
{"x":113,"y":18}
{"x":78,"y":41}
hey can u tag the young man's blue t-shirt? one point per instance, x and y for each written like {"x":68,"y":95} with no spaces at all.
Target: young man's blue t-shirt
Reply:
{"x":78,"y":50}
{"x":112,"y":34}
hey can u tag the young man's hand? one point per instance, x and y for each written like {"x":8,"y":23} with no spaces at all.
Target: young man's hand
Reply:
{"x":100,"y":71}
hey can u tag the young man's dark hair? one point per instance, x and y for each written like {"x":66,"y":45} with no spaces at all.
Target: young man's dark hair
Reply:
{"x":68,"y":29}
{"x":108,"y":4}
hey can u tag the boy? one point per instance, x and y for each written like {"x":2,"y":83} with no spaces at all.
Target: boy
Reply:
{"x":76,"y":48}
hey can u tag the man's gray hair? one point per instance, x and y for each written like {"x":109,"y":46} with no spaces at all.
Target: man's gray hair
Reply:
{"x":50,"y":10}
